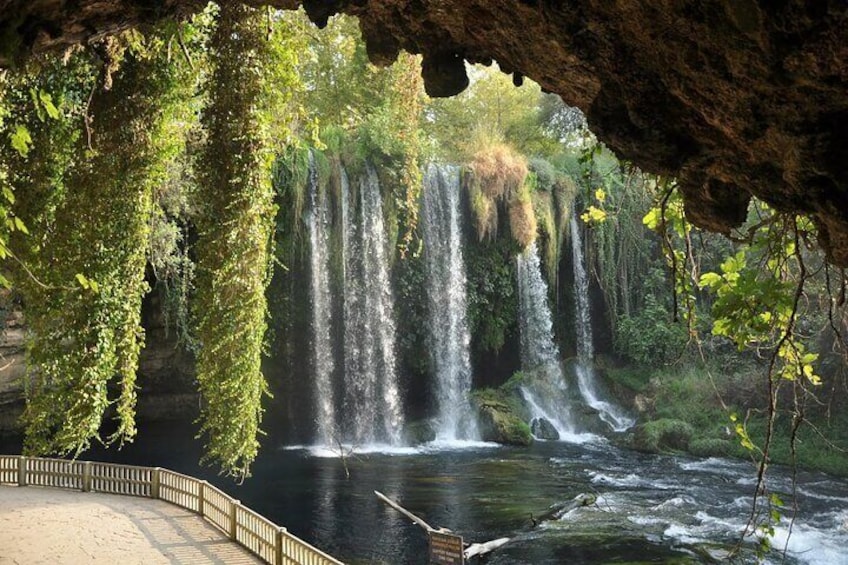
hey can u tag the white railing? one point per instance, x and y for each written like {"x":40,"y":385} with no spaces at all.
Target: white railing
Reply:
{"x":257,"y":534}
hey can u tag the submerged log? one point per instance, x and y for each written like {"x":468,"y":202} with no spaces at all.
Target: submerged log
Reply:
{"x":557,"y":511}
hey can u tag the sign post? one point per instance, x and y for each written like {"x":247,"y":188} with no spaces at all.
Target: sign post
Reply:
{"x":446,"y":549}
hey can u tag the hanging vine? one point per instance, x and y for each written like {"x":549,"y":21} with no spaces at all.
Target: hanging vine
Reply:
{"x":86,"y":186}
{"x":235,"y":225}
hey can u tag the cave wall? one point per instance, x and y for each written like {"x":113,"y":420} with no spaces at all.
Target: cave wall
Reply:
{"x":167,"y":389}
{"x":733,"y":97}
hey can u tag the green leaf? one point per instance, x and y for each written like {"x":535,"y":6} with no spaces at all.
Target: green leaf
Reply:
{"x":21,"y":140}
{"x":82,"y":281}
{"x":47,"y":103}
{"x":710,"y":280}
{"x":9,"y":195}
{"x":652,"y":219}
{"x":20,"y":225}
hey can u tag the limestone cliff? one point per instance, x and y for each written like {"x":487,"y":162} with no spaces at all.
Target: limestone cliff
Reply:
{"x":734,"y":97}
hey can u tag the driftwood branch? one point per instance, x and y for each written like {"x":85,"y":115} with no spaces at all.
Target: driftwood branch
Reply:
{"x":470,"y":551}
{"x":483,"y":548}
{"x":557,"y":511}
{"x":405,"y":512}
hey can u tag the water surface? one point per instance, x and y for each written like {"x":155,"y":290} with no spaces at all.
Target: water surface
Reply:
{"x":651,"y":508}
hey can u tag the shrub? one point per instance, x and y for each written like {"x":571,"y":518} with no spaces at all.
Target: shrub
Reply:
{"x":663,"y":434}
{"x":650,"y":337}
{"x":546,"y":175}
{"x":711,"y":447}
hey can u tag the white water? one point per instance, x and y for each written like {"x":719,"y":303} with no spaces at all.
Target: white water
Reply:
{"x":345,"y":449}
{"x":446,"y":301}
{"x":565,"y":434}
{"x":321,"y":345}
{"x":372,"y":403}
{"x":614,"y":416}
{"x":539,"y":352}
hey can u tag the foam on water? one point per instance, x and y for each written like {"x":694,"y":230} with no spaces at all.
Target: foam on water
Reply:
{"x":347,"y":449}
{"x":458,"y":444}
{"x":714,"y":465}
{"x":676,"y":502}
{"x":630,"y":480}
{"x":646,"y":520}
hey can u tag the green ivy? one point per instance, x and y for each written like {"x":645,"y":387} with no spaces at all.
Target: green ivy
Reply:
{"x":86,"y":186}
{"x":250,"y":85}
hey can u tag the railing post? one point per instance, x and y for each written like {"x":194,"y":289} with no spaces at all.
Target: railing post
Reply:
{"x":22,"y":469}
{"x":86,"y":476}
{"x":154,"y":483}
{"x":233,"y":523}
{"x":278,"y":546}
{"x":201,"y":498}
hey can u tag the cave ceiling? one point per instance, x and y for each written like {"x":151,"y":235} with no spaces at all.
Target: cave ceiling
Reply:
{"x":732,"y":97}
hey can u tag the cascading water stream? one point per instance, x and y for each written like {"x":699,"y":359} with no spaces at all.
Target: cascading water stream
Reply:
{"x":547,"y":393}
{"x":446,"y":297}
{"x":321,"y":343}
{"x":614,"y":416}
{"x":372,"y":402}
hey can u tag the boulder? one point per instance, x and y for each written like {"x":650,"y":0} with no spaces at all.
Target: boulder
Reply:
{"x":543,"y":429}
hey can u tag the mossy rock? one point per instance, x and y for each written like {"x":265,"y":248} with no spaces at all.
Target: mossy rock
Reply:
{"x":500,"y":420}
{"x":419,"y":431}
{"x":666,"y":434}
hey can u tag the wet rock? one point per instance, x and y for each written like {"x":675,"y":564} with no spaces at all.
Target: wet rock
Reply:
{"x":419,"y":432}
{"x":543,"y":429}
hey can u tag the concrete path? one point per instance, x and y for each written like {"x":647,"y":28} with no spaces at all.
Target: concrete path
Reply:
{"x":46,"y":525}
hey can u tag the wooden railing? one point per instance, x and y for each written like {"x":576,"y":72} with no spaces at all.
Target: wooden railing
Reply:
{"x":256,"y":533}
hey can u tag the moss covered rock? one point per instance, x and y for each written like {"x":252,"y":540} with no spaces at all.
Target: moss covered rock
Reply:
{"x":500,"y":418}
{"x":419,"y":431}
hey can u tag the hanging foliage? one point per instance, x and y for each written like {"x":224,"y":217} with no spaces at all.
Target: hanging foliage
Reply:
{"x":86,"y":186}
{"x":235,"y":225}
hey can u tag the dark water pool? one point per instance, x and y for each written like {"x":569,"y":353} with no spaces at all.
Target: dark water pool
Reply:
{"x":650,"y":509}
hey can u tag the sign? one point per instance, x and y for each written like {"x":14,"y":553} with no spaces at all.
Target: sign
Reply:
{"x":446,"y":549}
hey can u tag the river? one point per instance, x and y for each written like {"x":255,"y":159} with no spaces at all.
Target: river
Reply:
{"x":650,"y":508}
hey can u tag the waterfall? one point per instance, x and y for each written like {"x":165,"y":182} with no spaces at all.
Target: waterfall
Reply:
{"x":586,"y":382}
{"x":321,"y":349}
{"x":373,"y":411}
{"x":446,"y":301}
{"x":546,"y":393}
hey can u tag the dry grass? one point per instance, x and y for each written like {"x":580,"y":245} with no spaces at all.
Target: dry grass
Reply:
{"x":498,"y":171}
{"x":485,"y":211}
{"x":522,"y":221}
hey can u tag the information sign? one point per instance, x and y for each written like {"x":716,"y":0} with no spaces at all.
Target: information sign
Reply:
{"x":446,"y":549}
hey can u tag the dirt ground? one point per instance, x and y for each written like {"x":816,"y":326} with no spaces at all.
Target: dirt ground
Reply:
{"x":45,"y":525}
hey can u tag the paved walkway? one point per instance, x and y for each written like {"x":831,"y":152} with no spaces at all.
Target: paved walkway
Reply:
{"x":46,"y":525}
